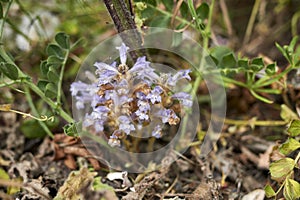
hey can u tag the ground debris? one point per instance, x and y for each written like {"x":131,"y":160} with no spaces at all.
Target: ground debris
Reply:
{"x":67,"y":148}
{"x":75,"y":183}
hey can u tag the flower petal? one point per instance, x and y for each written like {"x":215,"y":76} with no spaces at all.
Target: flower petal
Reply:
{"x":123,"y":50}
{"x":185,"y":98}
{"x":182,"y":74}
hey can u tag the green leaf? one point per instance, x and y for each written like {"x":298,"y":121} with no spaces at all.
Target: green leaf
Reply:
{"x":31,"y":129}
{"x":149,"y":12}
{"x":289,"y":146}
{"x":5,"y":1}
{"x":63,"y":40}
{"x":269,"y":191}
{"x":44,"y":67}
{"x":281,"y":168}
{"x":284,"y":51}
{"x":160,"y":21}
{"x":287,"y":114}
{"x":1,"y":11}
{"x":42,"y":84}
{"x":9,"y":70}
{"x":203,"y":11}
{"x":217,"y":53}
{"x":54,"y":61}
{"x":3,"y":174}
{"x":168,"y":4}
{"x":71,"y":129}
{"x":280,"y":48}
{"x":257,"y":64}
{"x":243,"y":63}
{"x":55,"y":50}
{"x":294,"y":128}
{"x":184,"y":10}
{"x":291,"y":190}
{"x":271,"y":69}
{"x":293,"y":43}
{"x":52,"y":75}
{"x":50,"y":90}
{"x":228,"y":61}
{"x":79,"y":43}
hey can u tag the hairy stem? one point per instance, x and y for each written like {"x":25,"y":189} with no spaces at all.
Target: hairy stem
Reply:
{"x":124,"y":20}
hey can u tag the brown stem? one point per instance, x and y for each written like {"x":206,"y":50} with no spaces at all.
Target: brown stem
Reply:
{"x":124,"y":20}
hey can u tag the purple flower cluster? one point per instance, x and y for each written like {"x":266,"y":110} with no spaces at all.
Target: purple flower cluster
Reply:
{"x":120,"y":107}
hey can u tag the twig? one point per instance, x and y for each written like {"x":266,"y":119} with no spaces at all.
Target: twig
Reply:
{"x":251,"y":21}
{"x":170,"y":188}
{"x":178,"y":5}
{"x":226,"y":17}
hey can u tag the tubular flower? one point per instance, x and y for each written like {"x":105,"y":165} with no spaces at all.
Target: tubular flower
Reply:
{"x":122,"y":100}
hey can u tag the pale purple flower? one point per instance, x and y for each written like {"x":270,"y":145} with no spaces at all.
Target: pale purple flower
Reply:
{"x":114,"y":141}
{"x":124,"y":99}
{"x":105,"y":72}
{"x":110,"y":96}
{"x":123,"y":50}
{"x":122,"y":87}
{"x":184,"y":98}
{"x":167,"y":115}
{"x":106,"y":77}
{"x":102,"y":67}
{"x":154,"y":95}
{"x":182,"y":74}
{"x":89,"y":120}
{"x":157,"y":131}
{"x":84,"y":93}
{"x":79,"y":104}
{"x":141,"y":96}
{"x":82,"y":100}
{"x":142,"y":115}
{"x":99,"y":125}
{"x":97,"y":100}
{"x":79,"y":86}
{"x":125,"y":124}
{"x":143,"y":105}
{"x":142,"y":70}
{"x":100,"y":112}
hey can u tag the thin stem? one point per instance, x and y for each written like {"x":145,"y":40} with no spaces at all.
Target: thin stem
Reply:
{"x":208,"y":26}
{"x":35,"y":112}
{"x":254,"y":122}
{"x":4,"y":19}
{"x":9,"y":83}
{"x":297,"y":158}
{"x":205,"y":47}
{"x":170,"y":15}
{"x":229,"y":80}
{"x":52,"y":104}
{"x":59,"y":85}
{"x":251,"y":21}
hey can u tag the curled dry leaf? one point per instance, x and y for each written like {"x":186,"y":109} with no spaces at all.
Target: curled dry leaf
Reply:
{"x":67,"y":147}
